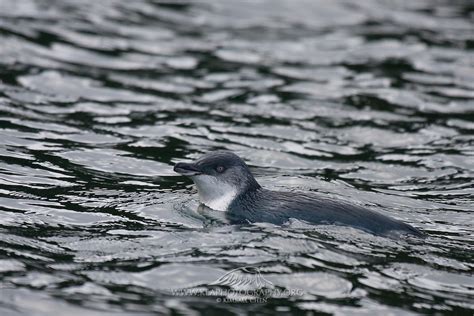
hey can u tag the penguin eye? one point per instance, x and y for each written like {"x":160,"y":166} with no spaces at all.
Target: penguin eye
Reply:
{"x":220,"y":169}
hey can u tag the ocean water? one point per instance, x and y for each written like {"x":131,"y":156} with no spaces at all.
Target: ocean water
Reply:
{"x":371,"y":102}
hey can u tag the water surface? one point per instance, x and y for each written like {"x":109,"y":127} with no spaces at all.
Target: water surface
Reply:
{"x":371,"y":102}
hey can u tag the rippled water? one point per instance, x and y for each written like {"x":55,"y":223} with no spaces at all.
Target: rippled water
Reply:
{"x":367,"y":101}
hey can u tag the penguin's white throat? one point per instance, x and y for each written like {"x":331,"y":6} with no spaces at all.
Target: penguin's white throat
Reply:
{"x":215,"y":194}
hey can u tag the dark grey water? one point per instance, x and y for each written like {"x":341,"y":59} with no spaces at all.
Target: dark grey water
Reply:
{"x":367,"y":101}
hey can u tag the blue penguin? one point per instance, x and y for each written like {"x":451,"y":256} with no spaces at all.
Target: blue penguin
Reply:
{"x":225,"y":183}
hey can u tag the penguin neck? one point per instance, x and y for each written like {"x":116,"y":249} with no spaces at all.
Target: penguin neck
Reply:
{"x":220,"y":196}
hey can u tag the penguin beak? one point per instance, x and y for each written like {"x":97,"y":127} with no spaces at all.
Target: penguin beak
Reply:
{"x":186,"y":169}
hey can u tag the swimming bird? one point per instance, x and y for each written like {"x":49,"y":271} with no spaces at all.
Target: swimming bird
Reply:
{"x":225,"y":183}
